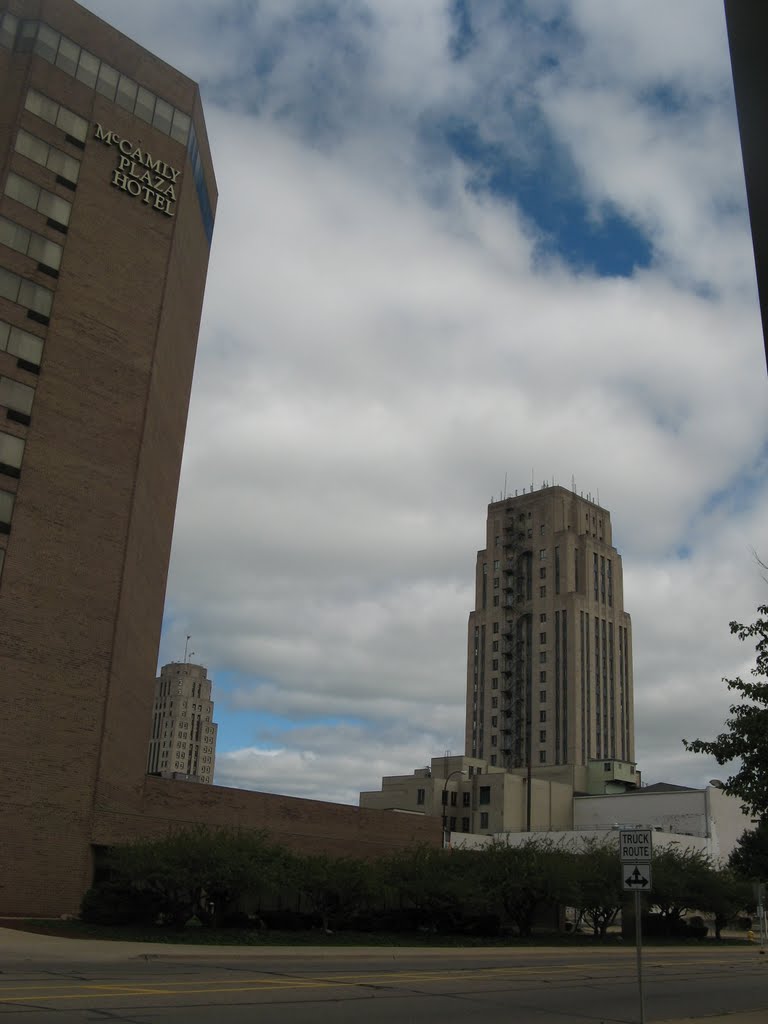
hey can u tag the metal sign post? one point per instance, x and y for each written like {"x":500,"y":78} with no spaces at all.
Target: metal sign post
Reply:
{"x":758,"y":890}
{"x":635,"y":852}
{"x":639,"y":954}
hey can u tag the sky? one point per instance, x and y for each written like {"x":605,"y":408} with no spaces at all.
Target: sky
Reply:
{"x":458,"y":243}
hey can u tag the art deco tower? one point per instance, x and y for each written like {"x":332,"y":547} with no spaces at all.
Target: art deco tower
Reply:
{"x":549,"y":678}
{"x":183,"y":730}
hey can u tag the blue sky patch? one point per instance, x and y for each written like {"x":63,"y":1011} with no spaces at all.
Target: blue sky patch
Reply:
{"x":609,"y":244}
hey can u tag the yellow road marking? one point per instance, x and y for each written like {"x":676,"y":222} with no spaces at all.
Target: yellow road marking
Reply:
{"x":91,"y":990}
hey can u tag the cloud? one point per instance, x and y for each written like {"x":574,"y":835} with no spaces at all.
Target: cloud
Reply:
{"x":390,"y":332}
{"x":329,"y":764}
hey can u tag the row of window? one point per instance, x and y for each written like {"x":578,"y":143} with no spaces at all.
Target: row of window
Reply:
{"x":46,"y":42}
{"x":509,"y":602}
{"x":26,"y":293}
{"x":7,"y":499}
{"x":16,"y":397}
{"x":49,"y":110}
{"x":465,"y":823}
{"x":465,"y":798}
{"x":604,"y":564}
{"x":40,"y":152}
{"x":24,"y":191}
{"x":20,"y":343}
{"x":175,"y":702}
{"x":528,"y":531}
{"x":27,"y":242}
{"x":11,"y":453}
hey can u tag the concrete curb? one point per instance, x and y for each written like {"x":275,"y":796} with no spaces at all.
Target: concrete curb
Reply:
{"x":741,"y":1017}
{"x":17,"y":945}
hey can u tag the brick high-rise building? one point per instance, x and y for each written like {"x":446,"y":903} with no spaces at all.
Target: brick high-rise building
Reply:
{"x":107,"y":199}
{"x":549,"y":677}
{"x":183,"y":730}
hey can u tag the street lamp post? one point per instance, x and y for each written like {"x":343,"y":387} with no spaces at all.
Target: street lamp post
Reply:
{"x":444,"y":801}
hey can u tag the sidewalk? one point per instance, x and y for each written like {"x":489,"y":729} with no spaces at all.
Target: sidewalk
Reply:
{"x":16,"y":946}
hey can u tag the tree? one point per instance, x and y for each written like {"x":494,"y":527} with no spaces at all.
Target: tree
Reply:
{"x":749,"y":858}
{"x":686,"y":880}
{"x":524,"y":879}
{"x":335,"y":887}
{"x":724,"y":895}
{"x":598,"y":895}
{"x":438,"y":886}
{"x":747,"y":735}
{"x":195,"y":872}
{"x":680,"y":880}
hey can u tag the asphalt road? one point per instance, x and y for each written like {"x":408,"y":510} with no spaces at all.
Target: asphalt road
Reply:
{"x":536,"y":986}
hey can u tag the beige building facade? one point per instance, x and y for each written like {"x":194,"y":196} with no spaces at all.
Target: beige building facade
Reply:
{"x":479,"y":803}
{"x":706,"y":821}
{"x":549,"y":662}
{"x":183,"y":741}
{"x":708,"y":815}
{"x":472,"y":796}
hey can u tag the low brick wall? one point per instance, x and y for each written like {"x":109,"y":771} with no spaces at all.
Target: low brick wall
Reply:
{"x":307,"y":826}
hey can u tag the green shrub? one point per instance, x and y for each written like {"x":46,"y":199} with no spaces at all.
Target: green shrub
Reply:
{"x":118,"y":903}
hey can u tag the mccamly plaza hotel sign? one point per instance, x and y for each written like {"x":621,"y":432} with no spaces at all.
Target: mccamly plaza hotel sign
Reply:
{"x":139,"y":174}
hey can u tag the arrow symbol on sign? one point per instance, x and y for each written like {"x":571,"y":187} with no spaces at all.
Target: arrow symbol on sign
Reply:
{"x":637,"y":879}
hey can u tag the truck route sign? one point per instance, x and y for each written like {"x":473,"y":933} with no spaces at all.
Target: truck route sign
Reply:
{"x":635,"y":845}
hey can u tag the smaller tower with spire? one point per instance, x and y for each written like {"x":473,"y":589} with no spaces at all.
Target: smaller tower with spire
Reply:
{"x":183,"y":742}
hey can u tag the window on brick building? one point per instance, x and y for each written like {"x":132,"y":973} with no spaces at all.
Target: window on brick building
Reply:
{"x":57,"y":210}
{"x":37,"y":150}
{"x":11,"y":453}
{"x":6,"y":510}
{"x":50,"y":111}
{"x":37,"y":247}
